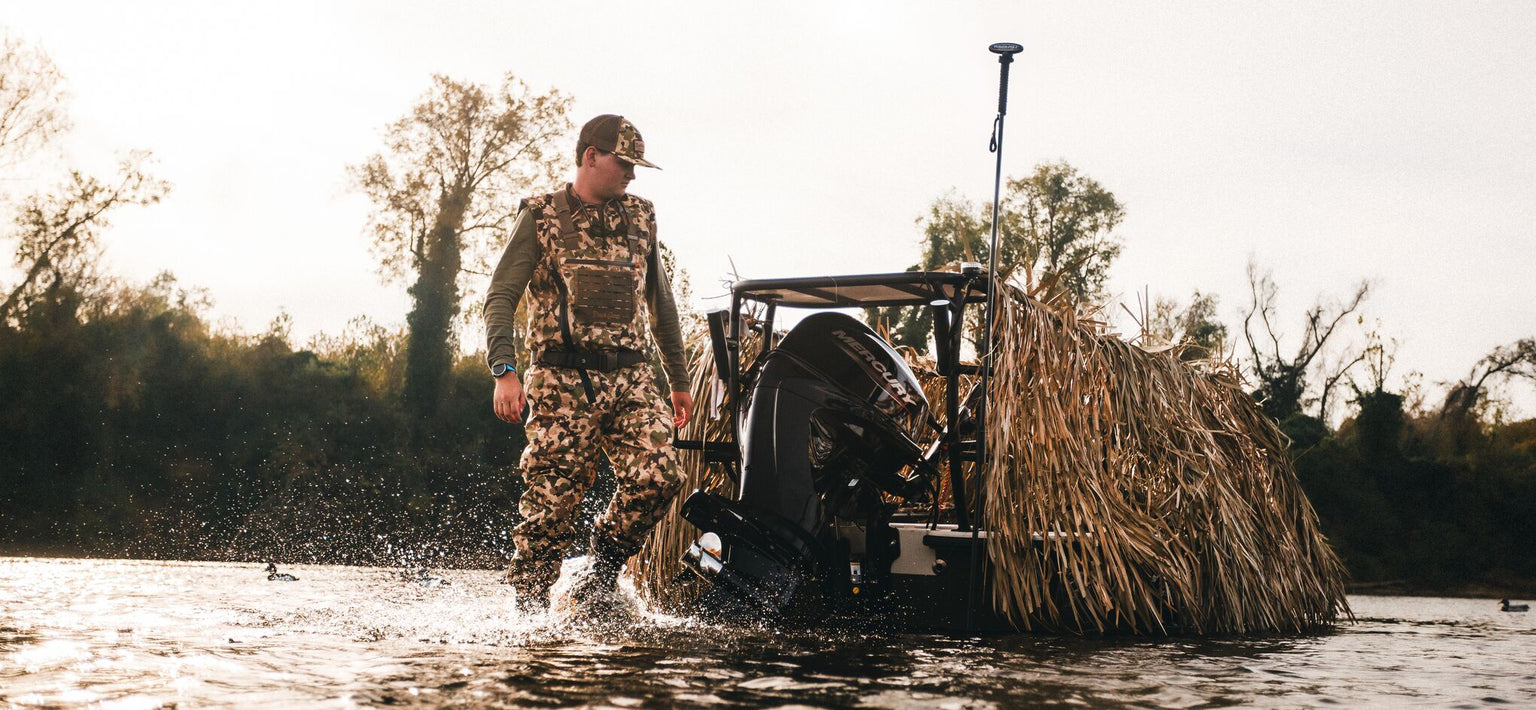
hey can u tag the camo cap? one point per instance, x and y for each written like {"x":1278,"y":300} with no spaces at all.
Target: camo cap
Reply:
{"x":615,"y":134}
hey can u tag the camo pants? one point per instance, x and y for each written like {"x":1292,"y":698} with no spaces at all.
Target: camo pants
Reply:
{"x":630,"y":424}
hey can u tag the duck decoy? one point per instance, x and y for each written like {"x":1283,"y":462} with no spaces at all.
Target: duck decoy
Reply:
{"x":1504,"y":605}
{"x":424,"y":577}
{"x":274,"y":576}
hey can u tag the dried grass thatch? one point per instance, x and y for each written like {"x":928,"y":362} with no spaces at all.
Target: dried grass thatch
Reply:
{"x":1162,"y":494}
{"x":657,"y":569}
{"x":1170,"y":493}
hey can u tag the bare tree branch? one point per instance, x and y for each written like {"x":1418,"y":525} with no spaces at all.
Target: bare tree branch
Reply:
{"x":32,"y":100}
{"x":1331,"y":380}
{"x":53,"y":230}
{"x":1518,"y":359}
{"x":1283,"y":382}
{"x":1317,"y":337}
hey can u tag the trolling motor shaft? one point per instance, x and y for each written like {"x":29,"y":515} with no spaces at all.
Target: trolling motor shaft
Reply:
{"x":1004,"y":52}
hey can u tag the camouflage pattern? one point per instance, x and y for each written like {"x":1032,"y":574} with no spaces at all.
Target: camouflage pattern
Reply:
{"x":630,"y":146}
{"x":631,"y":425}
{"x":619,"y":231}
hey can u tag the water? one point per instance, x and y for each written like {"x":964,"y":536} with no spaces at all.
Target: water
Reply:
{"x":134,"y":634}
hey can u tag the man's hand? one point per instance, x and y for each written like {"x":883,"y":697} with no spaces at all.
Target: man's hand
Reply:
{"x":508,"y":399}
{"x":682,"y":408}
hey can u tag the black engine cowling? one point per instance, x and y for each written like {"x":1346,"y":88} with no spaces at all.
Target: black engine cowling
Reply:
{"x":835,"y":412}
{"x":833,"y":402}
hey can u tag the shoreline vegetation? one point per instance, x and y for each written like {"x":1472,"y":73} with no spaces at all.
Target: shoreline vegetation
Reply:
{"x":134,"y":428}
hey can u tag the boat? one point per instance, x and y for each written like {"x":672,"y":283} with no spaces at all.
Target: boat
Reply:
{"x":1062,"y":480}
{"x":854,"y":491}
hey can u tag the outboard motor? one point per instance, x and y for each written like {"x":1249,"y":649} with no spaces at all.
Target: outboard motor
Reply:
{"x":834,"y":418}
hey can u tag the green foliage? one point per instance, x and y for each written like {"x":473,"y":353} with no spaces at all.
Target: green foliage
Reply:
{"x":1282,"y":387}
{"x":1402,"y":503}
{"x":1060,"y":225}
{"x":1194,"y":326}
{"x":1055,"y":236}
{"x":1380,"y":423}
{"x":132,"y":428}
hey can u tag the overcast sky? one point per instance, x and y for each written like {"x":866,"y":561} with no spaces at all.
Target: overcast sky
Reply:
{"x":1328,"y":141}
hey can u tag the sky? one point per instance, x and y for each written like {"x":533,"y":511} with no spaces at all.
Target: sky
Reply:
{"x":1328,"y":142}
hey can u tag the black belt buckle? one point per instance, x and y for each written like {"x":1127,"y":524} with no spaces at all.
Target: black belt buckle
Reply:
{"x":600,"y":360}
{"x":592,"y":360}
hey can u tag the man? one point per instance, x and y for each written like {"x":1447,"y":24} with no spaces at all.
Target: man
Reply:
{"x":587,"y":256}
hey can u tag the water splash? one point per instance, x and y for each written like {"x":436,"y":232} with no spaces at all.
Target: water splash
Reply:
{"x":77,"y":633}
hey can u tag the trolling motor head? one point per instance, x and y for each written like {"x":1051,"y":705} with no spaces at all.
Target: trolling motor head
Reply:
{"x":1006,"y":50}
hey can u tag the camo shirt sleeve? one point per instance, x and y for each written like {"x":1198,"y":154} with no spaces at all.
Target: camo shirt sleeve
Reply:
{"x":664,"y":323}
{"x":508,"y":283}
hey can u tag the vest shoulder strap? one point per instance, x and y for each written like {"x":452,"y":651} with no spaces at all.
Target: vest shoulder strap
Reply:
{"x":640,"y":244}
{"x":569,"y":234}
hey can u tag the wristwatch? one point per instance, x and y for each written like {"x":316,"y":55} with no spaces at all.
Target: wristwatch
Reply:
{"x":502,"y":368}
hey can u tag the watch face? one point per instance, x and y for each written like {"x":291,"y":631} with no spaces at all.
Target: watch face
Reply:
{"x":499,"y":370}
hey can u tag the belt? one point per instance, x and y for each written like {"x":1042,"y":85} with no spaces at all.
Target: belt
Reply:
{"x":600,"y":360}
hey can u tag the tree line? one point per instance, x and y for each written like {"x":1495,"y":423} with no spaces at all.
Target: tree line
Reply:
{"x":132,"y":426}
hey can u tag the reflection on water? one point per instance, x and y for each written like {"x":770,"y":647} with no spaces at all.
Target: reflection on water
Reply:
{"x":152,"y":634}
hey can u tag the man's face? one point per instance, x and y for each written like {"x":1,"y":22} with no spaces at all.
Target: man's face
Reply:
{"x":610,"y":175}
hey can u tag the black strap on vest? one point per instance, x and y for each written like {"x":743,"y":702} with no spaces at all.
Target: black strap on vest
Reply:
{"x":570,"y":238}
{"x":568,"y":233}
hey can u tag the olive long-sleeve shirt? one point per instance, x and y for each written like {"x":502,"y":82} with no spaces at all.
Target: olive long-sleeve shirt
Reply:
{"x":510,"y":281}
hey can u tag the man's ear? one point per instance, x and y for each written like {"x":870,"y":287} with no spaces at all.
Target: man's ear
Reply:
{"x":589,"y":156}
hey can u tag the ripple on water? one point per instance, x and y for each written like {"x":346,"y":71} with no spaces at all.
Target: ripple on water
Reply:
{"x":77,"y":633}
